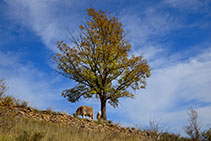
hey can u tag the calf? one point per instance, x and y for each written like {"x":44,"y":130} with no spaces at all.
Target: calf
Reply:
{"x":84,"y":111}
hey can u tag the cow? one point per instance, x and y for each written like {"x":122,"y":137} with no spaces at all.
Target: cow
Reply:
{"x":98,"y":115}
{"x":84,"y":111}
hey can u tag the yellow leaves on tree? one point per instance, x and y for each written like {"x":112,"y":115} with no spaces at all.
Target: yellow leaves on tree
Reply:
{"x":3,"y":88}
{"x":99,"y":62}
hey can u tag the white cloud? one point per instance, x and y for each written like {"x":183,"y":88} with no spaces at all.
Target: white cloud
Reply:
{"x":186,"y":4}
{"x":27,"y":82}
{"x":44,"y":17}
{"x":144,"y":26}
{"x":171,"y":91}
{"x":150,"y":29}
{"x":175,"y":85}
{"x":8,"y":62}
{"x":147,"y":29}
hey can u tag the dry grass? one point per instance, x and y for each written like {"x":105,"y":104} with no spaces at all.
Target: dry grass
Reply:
{"x":32,"y":130}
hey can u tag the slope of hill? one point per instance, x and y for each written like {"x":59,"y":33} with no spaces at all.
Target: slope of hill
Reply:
{"x":17,"y":122}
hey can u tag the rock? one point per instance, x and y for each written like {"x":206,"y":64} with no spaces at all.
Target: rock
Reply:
{"x":130,"y":131}
{"x":30,"y":109}
{"x":45,"y":112}
{"x":21,"y":112}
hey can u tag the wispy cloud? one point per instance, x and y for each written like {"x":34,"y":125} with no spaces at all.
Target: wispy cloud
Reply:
{"x":172,"y":90}
{"x":151,"y":31}
{"x":187,"y":4}
{"x":148,"y":31}
{"x":27,"y":82}
{"x":146,"y":28}
{"x":44,"y":17}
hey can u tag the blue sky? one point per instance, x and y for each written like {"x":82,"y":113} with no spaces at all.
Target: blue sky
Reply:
{"x":173,"y":35}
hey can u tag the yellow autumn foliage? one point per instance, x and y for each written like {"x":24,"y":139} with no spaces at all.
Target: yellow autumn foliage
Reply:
{"x":99,"y":62}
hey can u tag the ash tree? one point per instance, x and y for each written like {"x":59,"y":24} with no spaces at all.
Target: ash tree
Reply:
{"x":98,"y":61}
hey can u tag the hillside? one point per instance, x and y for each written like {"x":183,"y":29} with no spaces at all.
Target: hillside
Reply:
{"x":15,"y":117}
{"x":18,"y":122}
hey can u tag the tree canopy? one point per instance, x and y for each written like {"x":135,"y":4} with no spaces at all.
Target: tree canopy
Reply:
{"x":99,"y":62}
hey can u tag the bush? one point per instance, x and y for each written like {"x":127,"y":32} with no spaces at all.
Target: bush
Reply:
{"x":8,"y":101}
{"x":109,"y":122}
{"x":206,"y":135}
{"x":21,"y":103}
{"x":169,"y":137}
{"x":133,"y":128}
{"x":193,"y":129}
{"x":49,"y":110}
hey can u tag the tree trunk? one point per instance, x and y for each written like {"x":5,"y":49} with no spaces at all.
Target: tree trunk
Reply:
{"x":103,"y":109}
